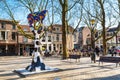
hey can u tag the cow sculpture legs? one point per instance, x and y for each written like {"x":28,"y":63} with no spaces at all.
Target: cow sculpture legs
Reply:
{"x":36,"y":63}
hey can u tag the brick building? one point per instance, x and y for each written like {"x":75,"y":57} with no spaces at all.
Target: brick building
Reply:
{"x":8,"y":38}
{"x":12,"y":42}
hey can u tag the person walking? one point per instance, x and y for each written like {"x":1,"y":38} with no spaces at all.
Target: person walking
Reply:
{"x":93,"y":56}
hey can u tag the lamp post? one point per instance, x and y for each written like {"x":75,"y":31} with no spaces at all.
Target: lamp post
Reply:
{"x":92,"y":21}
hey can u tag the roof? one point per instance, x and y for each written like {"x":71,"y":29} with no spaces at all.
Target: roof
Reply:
{"x":60,"y":25}
{"x":7,"y":21}
{"x":81,"y":28}
{"x":112,"y":29}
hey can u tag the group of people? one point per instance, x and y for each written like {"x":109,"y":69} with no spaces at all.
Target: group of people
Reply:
{"x":74,"y":52}
{"x":97,"y":50}
{"x":90,"y":53}
{"x":112,"y":51}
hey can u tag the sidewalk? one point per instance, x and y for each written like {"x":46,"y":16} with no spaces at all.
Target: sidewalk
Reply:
{"x":71,"y":70}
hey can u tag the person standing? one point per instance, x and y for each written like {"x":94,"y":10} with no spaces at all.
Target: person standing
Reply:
{"x":97,"y":50}
{"x":113,"y":51}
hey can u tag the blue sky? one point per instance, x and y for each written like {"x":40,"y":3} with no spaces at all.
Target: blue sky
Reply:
{"x":20,"y":14}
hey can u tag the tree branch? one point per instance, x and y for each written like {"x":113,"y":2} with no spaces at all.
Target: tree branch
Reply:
{"x":72,"y":6}
{"x":61,"y":3}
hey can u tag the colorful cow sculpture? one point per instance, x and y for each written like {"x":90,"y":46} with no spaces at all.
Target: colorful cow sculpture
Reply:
{"x":36,"y":17}
{"x":37,"y":62}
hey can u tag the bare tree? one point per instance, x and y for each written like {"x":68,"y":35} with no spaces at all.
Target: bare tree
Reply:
{"x":91,"y":22}
{"x":102,"y":13}
{"x":103,"y":24}
{"x":66,"y":15}
{"x":64,"y":5}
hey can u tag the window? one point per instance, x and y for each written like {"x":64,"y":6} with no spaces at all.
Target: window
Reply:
{"x":60,"y":46}
{"x":25,"y":40}
{"x":49,"y":38}
{"x":89,"y":40}
{"x":13,"y":35}
{"x":54,"y":47}
{"x":119,"y":40}
{"x":80,"y":35}
{"x":50,"y":47}
{"x":57,"y":37}
{"x":13,"y":26}
{"x":43,"y":40}
{"x":2,"y":35}
{"x":3,"y":25}
{"x":57,"y":29}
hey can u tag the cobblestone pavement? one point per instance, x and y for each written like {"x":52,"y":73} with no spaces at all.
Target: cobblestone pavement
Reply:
{"x":71,"y":70}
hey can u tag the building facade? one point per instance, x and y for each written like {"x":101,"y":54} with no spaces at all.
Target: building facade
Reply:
{"x":8,"y":38}
{"x":84,"y":38}
{"x":52,"y":41}
{"x":115,"y":41}
{"x":12,"y":42}
{"x":25,"y":45}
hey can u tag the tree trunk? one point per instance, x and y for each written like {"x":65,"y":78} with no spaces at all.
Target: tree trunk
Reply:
{"x":104,"y":37}
{"x":92,"y":39}
{"x":64,"y":28}
{"x":103,"y":25}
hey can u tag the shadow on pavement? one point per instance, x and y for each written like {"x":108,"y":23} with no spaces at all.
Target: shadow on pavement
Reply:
{"x":115,"y":77}
{"x":7,"y":74}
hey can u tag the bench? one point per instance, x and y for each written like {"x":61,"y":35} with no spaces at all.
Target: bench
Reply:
{"x":75,"y":57}
{"x":109,"y":59}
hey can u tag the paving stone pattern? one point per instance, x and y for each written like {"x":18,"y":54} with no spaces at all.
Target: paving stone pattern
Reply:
{"x":71,"y":70}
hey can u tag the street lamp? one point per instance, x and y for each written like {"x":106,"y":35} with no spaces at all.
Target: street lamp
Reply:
{"x":92,"y":22}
